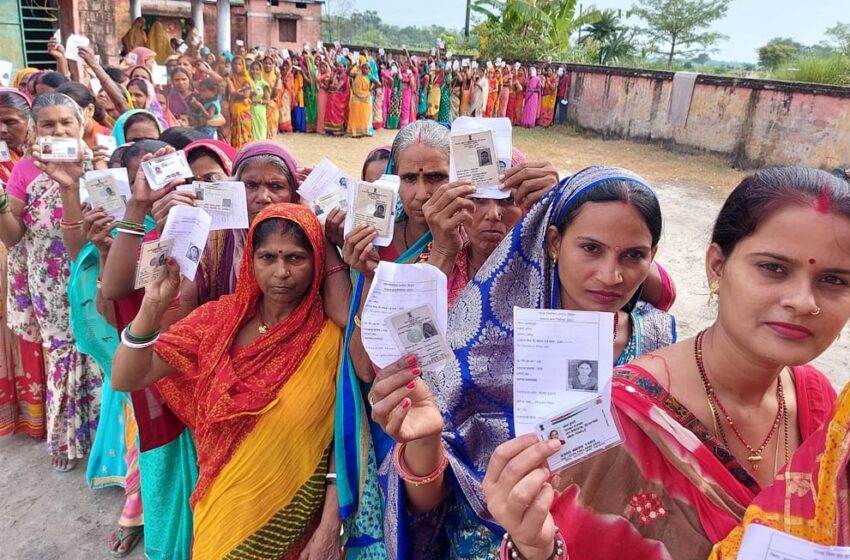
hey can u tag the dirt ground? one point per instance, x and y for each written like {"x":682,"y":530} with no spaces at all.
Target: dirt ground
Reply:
{"x":46,"y":515}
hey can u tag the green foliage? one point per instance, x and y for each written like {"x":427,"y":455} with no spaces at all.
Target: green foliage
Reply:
{"x":831,"y":70}
{"x":367,"y":28}
{"x":679,"y":28}
{"x":839,"y":37}
{"x":613,"y":41}
{"x":777,"y":52}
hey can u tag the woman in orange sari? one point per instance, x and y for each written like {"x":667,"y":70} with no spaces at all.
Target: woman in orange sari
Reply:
{"x":286,"y":95}
{"x":494,"y":80}
{"x":360,"y":103}
{"x":547,"y":101}
{"x":239,"y":87}
{"x":272,"y":77}
{"x":239,"y":372}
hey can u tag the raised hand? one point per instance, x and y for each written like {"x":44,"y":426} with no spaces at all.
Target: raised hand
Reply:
{"x":402,"y":404}
{"x":142,"y":192}
{"x":529,"y":181}
{"x":163,"y":290}
{"x":97,"y":228}
{"x":445,"y":211}
{"x":358,"y":251}
{"x":66,"y":173}
{"x":334,"y":227}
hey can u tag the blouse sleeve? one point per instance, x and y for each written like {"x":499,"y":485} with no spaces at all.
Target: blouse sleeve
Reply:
{"x":22,"y":175}
{"x":668,"y":289}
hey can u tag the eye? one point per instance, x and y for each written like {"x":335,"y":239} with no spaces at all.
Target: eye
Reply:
{"x":774,"y":269}
{"x":635,"y":254}
{"x":296,"y":258}
{"x":592,"y":248}
{"x":833,"y":280}
{"x":410,"y":179}
{"x":277,"y":186}
{"x":251,"y":186}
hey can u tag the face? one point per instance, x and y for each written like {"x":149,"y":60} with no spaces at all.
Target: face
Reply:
{"x":141,"y":130}
{"x":140,"y":73}
{"x":283,"y":269}
{"x":374,"y":170}
{"x":268,"y":65}
{"x":364,"y":68}
{"x":184,"y":120}
{"x":57,"y":120}
{"x":13,"y":128}
{"x":107,"y":104}
{"x":492,"y":221}
{"x":181,"y":83}
{"x":604,"y":255}
{"x":255,"y":71}
{"x":139,"y":96}
{"x":150,"y":60}
{"x":185,"y":62}
{"x":208,"y":169}
{"x":237,"y":66}
{"x":265,"y":184}
{"x":170,"y":66}
{"x":209,"y":58}
{"x":422,"y":170}
{"x":584,"y":369}
{"x":774,"y":281}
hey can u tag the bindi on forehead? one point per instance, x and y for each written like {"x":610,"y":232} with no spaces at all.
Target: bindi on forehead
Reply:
{"x":813,"y":261}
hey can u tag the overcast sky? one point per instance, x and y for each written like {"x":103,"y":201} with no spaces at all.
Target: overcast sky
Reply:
{"x":749,"y":23}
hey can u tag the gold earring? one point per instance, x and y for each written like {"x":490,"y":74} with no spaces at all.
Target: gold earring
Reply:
{"x":554,"y":259}
{"x":713,"y":290}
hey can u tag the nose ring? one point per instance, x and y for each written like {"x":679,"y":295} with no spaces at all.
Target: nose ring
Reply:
{"x":816,"y":311}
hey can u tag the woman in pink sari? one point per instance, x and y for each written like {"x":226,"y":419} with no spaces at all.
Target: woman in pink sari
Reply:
{"x":532,"y":100}
{"x":324,"y":79}
{"x":408,"y":91}
{"x":711,"y":421}
{"x":387,"y":85}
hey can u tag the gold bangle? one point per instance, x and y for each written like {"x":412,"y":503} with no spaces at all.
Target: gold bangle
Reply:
{"x":357,"y":321}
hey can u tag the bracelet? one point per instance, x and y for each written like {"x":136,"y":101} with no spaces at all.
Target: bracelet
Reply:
{"x":335,"y":269}
{"x":407,"y":476}
{"x":130,"y":225}
{"x":330,"y":478}
{"x":4,"y":203}
{"x":509,"y":551}
{"x":70,"y":225}
{"x":140,"y":339}
{"x":137,"y":345}
{"x":357,"y":321}
{"x":130,"y":231}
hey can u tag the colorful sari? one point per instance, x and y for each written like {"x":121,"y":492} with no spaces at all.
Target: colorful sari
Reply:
{"x":444,"y":115}
{"x":311,"y":108}
{"x":259,"y":119}
{"x":492,"y":95}
{"x":286,"y":103}
{"x":475,"y":391}
{"x":531,"y":106}
{"x":378,"y":109}
{"x":547,"y":103}
{"x":241,"y":131}
{"x":809,"y":496}
{"x":135,"y":36}
{"x":160,"y":42}
{"x":152,"y":105}
{"x":433,"y":97}
{"x":423,"y":85}
{"x":337,"y":104}
{"x":258,"y":493}
{"x":515,"y":103}
{"x":360,"y":105}
{"x":465,"y":101}
{"x":273,"y":108}
{"x":394,"y":110}
{"x":504,"y":97}
{"x":299,"y":118}
{"x":322,"y":101}
{"x":408,"y":96}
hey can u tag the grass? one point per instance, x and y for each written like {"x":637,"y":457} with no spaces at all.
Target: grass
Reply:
{"x":831,"y":70}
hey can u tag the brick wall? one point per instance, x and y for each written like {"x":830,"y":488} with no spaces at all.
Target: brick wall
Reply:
{"x":104,"y":23}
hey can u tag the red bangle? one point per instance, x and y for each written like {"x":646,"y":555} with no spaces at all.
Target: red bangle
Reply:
{"x":407,"y":476}
{"x":335,"y":269}
{"x":70,"y":225}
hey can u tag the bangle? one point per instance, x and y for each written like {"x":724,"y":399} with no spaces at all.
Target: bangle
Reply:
{"x":357,"y":321}
{"x":99,"y":283}
{"x":140,"y":339}
{"x":509,"y":551}
{"x":130,"y":225}
{"x":330,"y":478}
{"x":407,"y":476}
{"x":130,"y":231}
{"x":335,"y":269}
{"x":70,"y":225}
{"x":125,"y":334}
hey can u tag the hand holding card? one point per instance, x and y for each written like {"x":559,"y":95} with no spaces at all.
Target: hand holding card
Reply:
{"x":162,"y":170}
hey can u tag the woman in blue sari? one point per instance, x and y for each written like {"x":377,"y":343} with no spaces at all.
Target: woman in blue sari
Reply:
{"x":458,"y":418}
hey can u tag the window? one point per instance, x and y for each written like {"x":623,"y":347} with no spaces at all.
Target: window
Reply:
{"x":287,"y":30}
{"x":301,"y":5}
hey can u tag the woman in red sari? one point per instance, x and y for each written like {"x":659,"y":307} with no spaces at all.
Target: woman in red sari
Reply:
{"x":710,"y":421}
{"x":337,"y":107}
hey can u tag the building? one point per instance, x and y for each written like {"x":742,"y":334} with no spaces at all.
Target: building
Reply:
{"x":26,"y":25}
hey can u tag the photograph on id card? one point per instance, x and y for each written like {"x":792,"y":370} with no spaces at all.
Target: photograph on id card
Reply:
{"x":54,"y":148}
{"x":105,"y":193}
{"x":416,"y":331}
{"x":153,"y":261}
{"x":373,"y":205}
{"x":164,"y":169}
{"x":475,"y":159}
{"x":5,"y":154}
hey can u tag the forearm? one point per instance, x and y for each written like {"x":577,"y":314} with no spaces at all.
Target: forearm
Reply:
{"x":336,"y":289}
{"x":72,"y":213}
{"x":442,"y":259}
{"x":359,"y":358}
{"x":421,"y":457}
{"x":12,"y":229}
{"x":112,"y":89}
{"x":119,"y":275}
{"x":133,"y":368}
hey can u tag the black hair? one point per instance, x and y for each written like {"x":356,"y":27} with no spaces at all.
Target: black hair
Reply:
{"x":16,"y":102}
{"x":199,"y":152}
{"x":138,"y":82}
{"x":50,"y":78}
{"x":181,"y":70}
{"x":180,"y":137}
{"x":209,"y":83}
{"x":137,"y":118}
{"x":117,"y":157}
{"x":636,"y":194}
{"x":139,"y":149}
{"x":768,"y":190}
{"x":377,"y":155}
{"x":282,"y":227}
{"x":118,"y":75}
{"x":84,"y":97}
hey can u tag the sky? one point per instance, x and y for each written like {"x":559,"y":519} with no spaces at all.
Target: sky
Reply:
{"x":749,"y":23}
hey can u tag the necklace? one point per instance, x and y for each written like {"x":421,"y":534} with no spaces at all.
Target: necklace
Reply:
{"x":756,"y":455}
{"x":616,"y":324}
{"x":263,"y":328}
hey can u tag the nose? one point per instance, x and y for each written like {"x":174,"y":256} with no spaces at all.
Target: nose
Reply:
{"x":801,"y":299}
{"x":282,"y":270}
{"x":610,"y":272}
{"x":265,"y":195}
{"x":490,"y":210}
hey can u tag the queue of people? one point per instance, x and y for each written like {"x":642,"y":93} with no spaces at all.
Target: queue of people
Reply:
{"x":243,"y":416}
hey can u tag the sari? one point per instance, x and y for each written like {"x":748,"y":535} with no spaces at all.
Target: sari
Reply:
{"x":299,"y":119}
{"x":286,"y":103}
{"x":159,"y":42}
{"x":273,"y":108}
{"x":504,"y":97}
{"x":493,"y":83}
{"x":378,"y":109}
{"x":20,"y":77}
{"x":21,"y":361}
{"x":531,"y":106}
{"x":259,"y":119}
{"x":394,"y":107}
{"x":480,"y":94}
{"x":135,"y":36}
{"x":424,"y":83}
{"x":322,"y":101}
{"x":408,"y":89}
{"x":153,"y":106}
{"x":360,"y":106}
{"x":465,"y":95}
{"x":475,"y":390}
{"x":547,"y":103}
{"x":118,"y":131}
{"x":241,"y":131}
{"x":433,"y":99}
{"x":515,"y":103}
{"x":258,"y":493}
{"x":337,"y":104}
{"x":311,"y":108}
{"x":444,"y":115}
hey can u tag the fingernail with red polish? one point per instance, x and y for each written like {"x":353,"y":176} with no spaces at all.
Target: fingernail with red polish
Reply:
{"x":415,"y":372}
{"x":411,"y":361}
{"x":411,"y":385}
{"x":405,"y":404}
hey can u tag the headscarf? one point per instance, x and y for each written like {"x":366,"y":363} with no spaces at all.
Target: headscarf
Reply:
{"x":152,"y":105}
{"x":159,"y":42}
{"x":269,"y":77}
{"x":7,"y":166}
{"x":223,"y":151}
{"x":222,"y":396}
{"x":135,"y":36}
{"x":118,"y":131}
{"x":268,"y":148}
{"x":19,"y":77}
{"x":142,"y":54}
{"x":141,"y":67}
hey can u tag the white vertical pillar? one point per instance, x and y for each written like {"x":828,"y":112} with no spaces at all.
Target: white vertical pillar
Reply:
{"x":198,"y":15}
{"x":135,"y":9}
{"x":223,"y":25}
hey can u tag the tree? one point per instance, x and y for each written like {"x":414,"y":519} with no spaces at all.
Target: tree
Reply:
{"x":681,"y":25}
{"x":777,"y":52}
{"x":839,"y":37}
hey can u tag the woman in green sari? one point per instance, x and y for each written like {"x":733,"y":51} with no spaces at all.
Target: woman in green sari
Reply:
{"x":311,"y":92}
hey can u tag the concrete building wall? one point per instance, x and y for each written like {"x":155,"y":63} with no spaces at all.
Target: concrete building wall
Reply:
{"x":752,"y":122}
{"x":264,"y":21}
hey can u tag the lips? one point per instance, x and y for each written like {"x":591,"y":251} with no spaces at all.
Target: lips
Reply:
{"x":790,"y":331}
{"x":492,"y":234}
{"x":601,"y":296}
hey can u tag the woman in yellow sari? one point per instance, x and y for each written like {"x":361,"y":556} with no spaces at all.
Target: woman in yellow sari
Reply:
{"x":360,"y":103}
{"x":239,"y":86}
{"x":159,"y":42}
{"x":135,"y":36}
{"x":240,"y":372}
{"x":271,"y":76}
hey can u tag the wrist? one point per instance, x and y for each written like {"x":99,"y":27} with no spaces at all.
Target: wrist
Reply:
{"x":423,"y":456}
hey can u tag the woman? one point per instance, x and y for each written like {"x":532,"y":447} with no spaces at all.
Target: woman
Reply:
{"x":504,"y":93}
{"x":547,"y":102}
{"x":272,"y":77}
{"x":324,"y":83}
{"x":444,"y":115}
{"x":135,"y":36}
{"x":286,"y":97}
{"x":408,"y":95}
{"x":466,"y":93}
{"x":43,"y":215}
{"x":21,"y":360}
{"x":92,"y":111}
{"x":143,"y":95}
{"x":393,"y":82}
{"x":434,"y":94}
{"x":494,"y":82}
{"x":272,"y":351}
{"x":423,"y":84}
{"x":710,"y":421}
{"x":378,"y":112}
{"x":239,"y":86}
{"x":143,"y":56}
{"x":136,"y":125}
{"x":375,"y":164}
{"x":531,"y":105}
{"x":457,"y":93}
{"x":337,"y":102}
{"x":583,"y":207}
{"x":299,"y":116}
{"x":360,"y":105}
{"x":515,"y":103}
{"x":480,"y":94}
{"x":310,"y":92}
{"x":260,"y":99}
{"x":176,"y":97}
{"x":159,"y":42}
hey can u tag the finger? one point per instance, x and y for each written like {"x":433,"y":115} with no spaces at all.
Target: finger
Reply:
{"x":457,"y":205}
{"x":535,"y":515}
{"x":524,"y":174}
{"x":385,"y":404}
{"x":527,"y":460}
{"x":396,"y":417}
{"x":532,"y":191}
{"x":358,"y":234}
{"x":363,"y":245}
{"x":525,"y":491}
{"x":387,"y":384}
{"x":504,"y":453}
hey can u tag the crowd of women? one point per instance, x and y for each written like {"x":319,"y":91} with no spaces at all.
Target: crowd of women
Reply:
{"x":244,"y":418}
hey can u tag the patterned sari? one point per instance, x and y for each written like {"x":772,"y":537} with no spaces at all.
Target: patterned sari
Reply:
{"x":547,"y":103}
{"x":360,"y":105}
{"x":286,"y":102}
{"x":240,"y":110}
{"x":262,"y":461}
{"x":394,"y":111}
{"x":808,"y":499}
{"x":311,"y":92}
{"x":337,"y":104}
{"x":475,"y":391}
